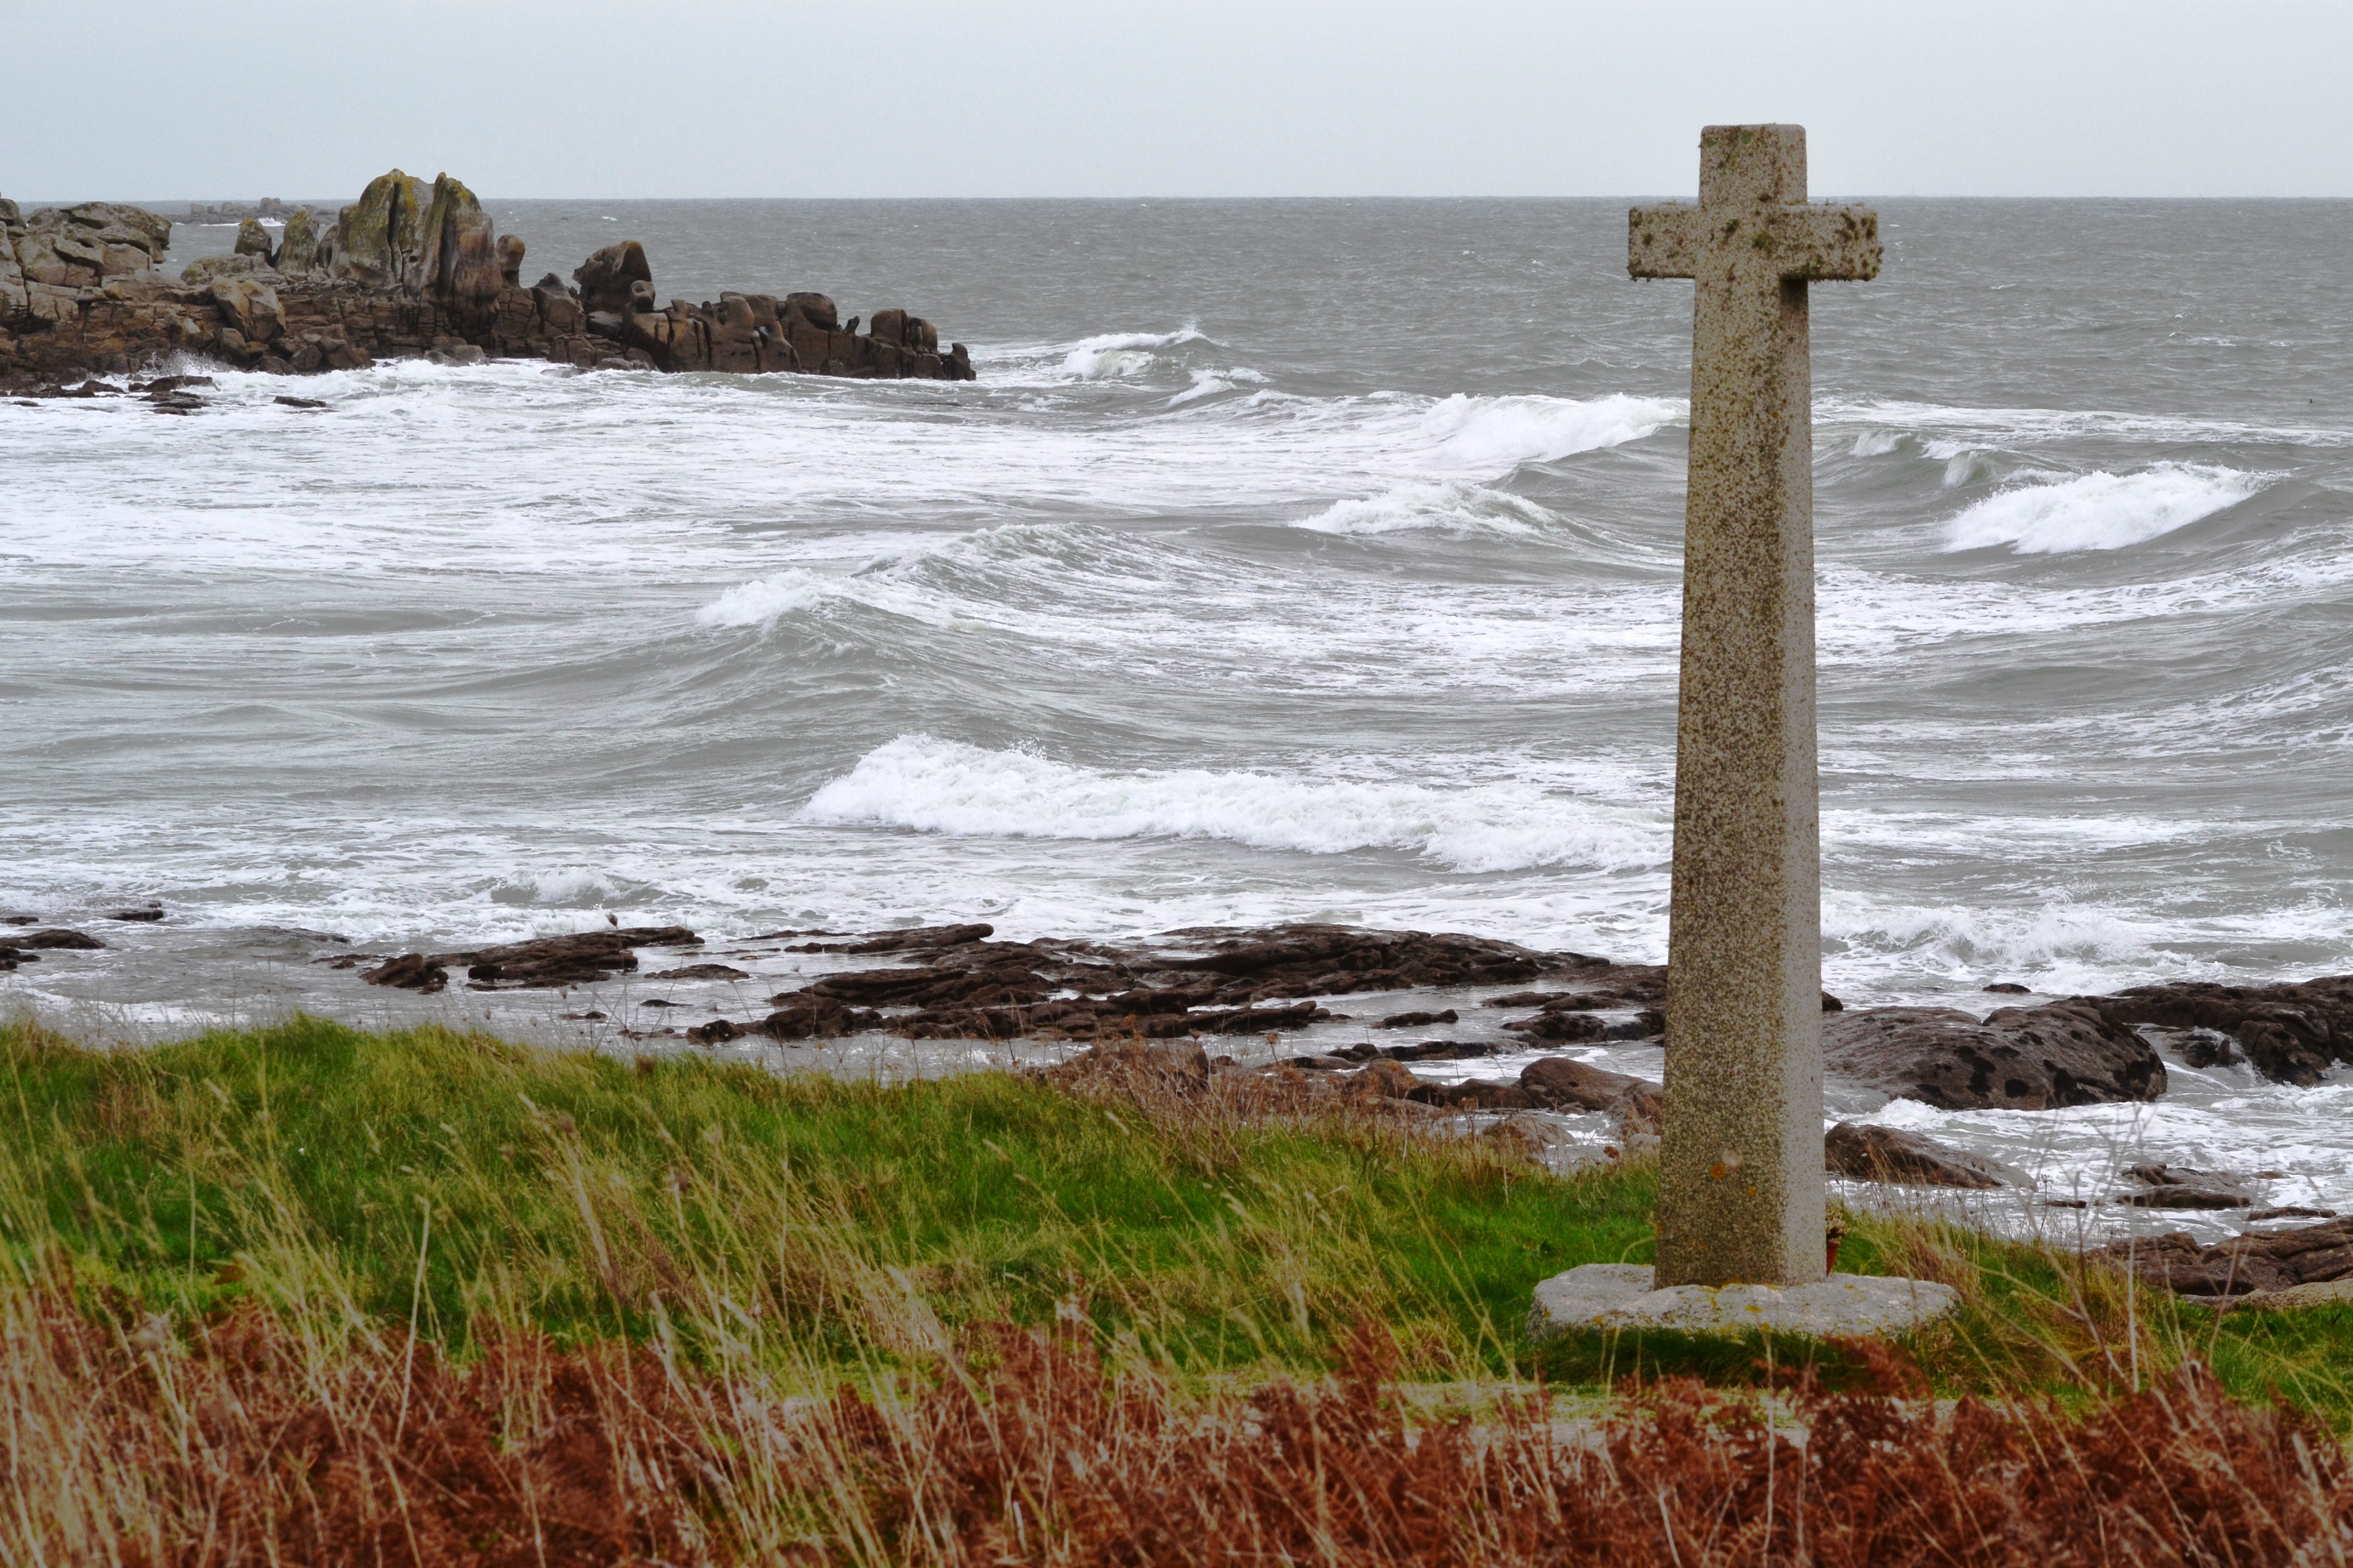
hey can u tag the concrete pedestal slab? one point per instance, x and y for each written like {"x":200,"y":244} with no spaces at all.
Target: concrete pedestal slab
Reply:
{"x":1605,"y":1297}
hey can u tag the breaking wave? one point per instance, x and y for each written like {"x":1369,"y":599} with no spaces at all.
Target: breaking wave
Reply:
{"x":1449,"y":505}
{"x":2100,"y":511}
{"x":946,"y":787}
{"x":1123,"y":353}
{"x":1496,"y":435}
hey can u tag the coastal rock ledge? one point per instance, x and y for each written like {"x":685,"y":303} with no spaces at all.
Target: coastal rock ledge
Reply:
{"x":411,"y":268}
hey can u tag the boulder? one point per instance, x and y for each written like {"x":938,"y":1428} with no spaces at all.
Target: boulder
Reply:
{"x":298,"y":249}
{"x":253,"y":239}
{"x":459,"y":258}
{"x":55,"y":939}
{"x":605,"y":278}
{"x":1892,"y":1156}
{"x":2020,"y":1058}
{"x":511,"y":249}
{"x":1559,"y":1084}
{"x":379,"y":238}
{"x":2293,"y":1033}
{"x":249,"y":305}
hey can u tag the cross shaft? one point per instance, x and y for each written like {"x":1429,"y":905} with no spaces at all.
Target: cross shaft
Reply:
{"x":1741,"y":1185}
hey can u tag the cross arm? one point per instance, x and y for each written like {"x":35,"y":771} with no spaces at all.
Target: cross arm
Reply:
{"x":1825,"y":243}
{"x":1663,"y":241}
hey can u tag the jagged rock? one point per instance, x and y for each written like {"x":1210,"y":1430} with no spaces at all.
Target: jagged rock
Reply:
{"x":511,"y":251}
{"x":253,"y":239}
{"x":2267,"y":1260}
{"x":916,"y":940}
{"x":409,"y":971}
{"x":2293,"y":1033}
{"x":583,"y":958}
{"x":605,"y":278}
{"x":816,"y":310}
{"x":2020,"y":1059}
{"x":1892,"y":1155}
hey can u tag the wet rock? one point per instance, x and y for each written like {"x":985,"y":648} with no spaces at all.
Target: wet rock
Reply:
{"x":253,"y":239}
{"x":1890,"y":1154}
{"x":1416,"y":1020}
{"x":702,"y":972}
{"x":1474,"y":1094}
{"x":817,"y":1018}
{"x":1385,"y":1079}
{"x":2009,"y":988}
{"x":579,"y":959}
{"x":919,"y":939}
{"x":2182,"y":1187}
{"x":141,"y":912}
{"x":409,"y":971}
{"x":2020,"y":1059}
{"x":1559,"y":1027}
{"x":56,"y":938}
{"x":298,"y":402}
{"x":2292,"y":1033}
{"x":713,"y":1033}
{"x":2267,"y":1260}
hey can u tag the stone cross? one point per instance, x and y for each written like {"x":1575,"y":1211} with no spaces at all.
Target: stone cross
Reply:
{"x":1740,"y":1181}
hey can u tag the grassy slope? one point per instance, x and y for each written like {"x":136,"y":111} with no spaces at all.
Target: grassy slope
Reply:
{"x":828,"y":1229}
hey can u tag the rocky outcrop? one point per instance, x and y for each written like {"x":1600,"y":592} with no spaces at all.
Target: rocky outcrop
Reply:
{"x":410,"y":268}
{"x":2020,"y":1058}
{"x":579,"y":959}
{"x":2292,"y":1033}
{"x":2268,"y":1260}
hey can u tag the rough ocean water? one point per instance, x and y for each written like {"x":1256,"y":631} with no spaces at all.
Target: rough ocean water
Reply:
{"x":1290,"y":561}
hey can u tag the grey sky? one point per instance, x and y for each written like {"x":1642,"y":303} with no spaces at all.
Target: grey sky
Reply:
{"x":136,"y":99}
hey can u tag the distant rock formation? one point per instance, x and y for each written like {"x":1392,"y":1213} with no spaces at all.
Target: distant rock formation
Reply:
{"x":410,"y":268}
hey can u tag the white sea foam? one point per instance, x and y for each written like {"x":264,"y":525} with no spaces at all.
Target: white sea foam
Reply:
{"x":1448,"y":505}
{"x":948,"y":787}
{"x":2100,"y":511}
{"x":1496,"y":435}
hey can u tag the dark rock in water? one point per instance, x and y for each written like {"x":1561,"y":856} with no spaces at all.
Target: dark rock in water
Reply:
{"x":1648,"y":1024}
{"x":1474,"y":1094}
{"x":2181,"y":1187}
{"x":2268,"y":1260}
{"x":2257,"y":1217}
{"x":10,"y":957}
{"x":298,"y":402}
{"x":579,"y":959}
{"x":702,"y":972}
{"x":2293,"y":1033}
{"x":2009,"y":988}
{"x":816,"y":1017}
{"x":57,"y":938}
{"x":2210,"y":1048}
{"x":144,"y":912}
{"x":1832,"y":1004}
{"x":912,"y":941}
{"x":2020,"y":1059}
{"x":1892,"y":1156}
{"x":1560,"y":1029}
{"x":409,"y":971}
{"x":712,"y":1033}
{"x":20,"y":919}
{"x":1416,"y":1020}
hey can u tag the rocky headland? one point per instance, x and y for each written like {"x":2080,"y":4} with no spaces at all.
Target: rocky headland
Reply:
{"x":413,"y":267}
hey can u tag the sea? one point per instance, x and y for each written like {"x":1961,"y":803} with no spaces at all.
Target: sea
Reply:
{"x":1289,"y":561}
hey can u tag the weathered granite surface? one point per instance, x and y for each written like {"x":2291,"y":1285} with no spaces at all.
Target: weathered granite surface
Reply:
{"x":1603,"y":1297}
{"x":412,"y":267}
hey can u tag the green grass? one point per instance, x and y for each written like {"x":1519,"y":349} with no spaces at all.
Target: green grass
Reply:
{"x":824,"y":1229}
